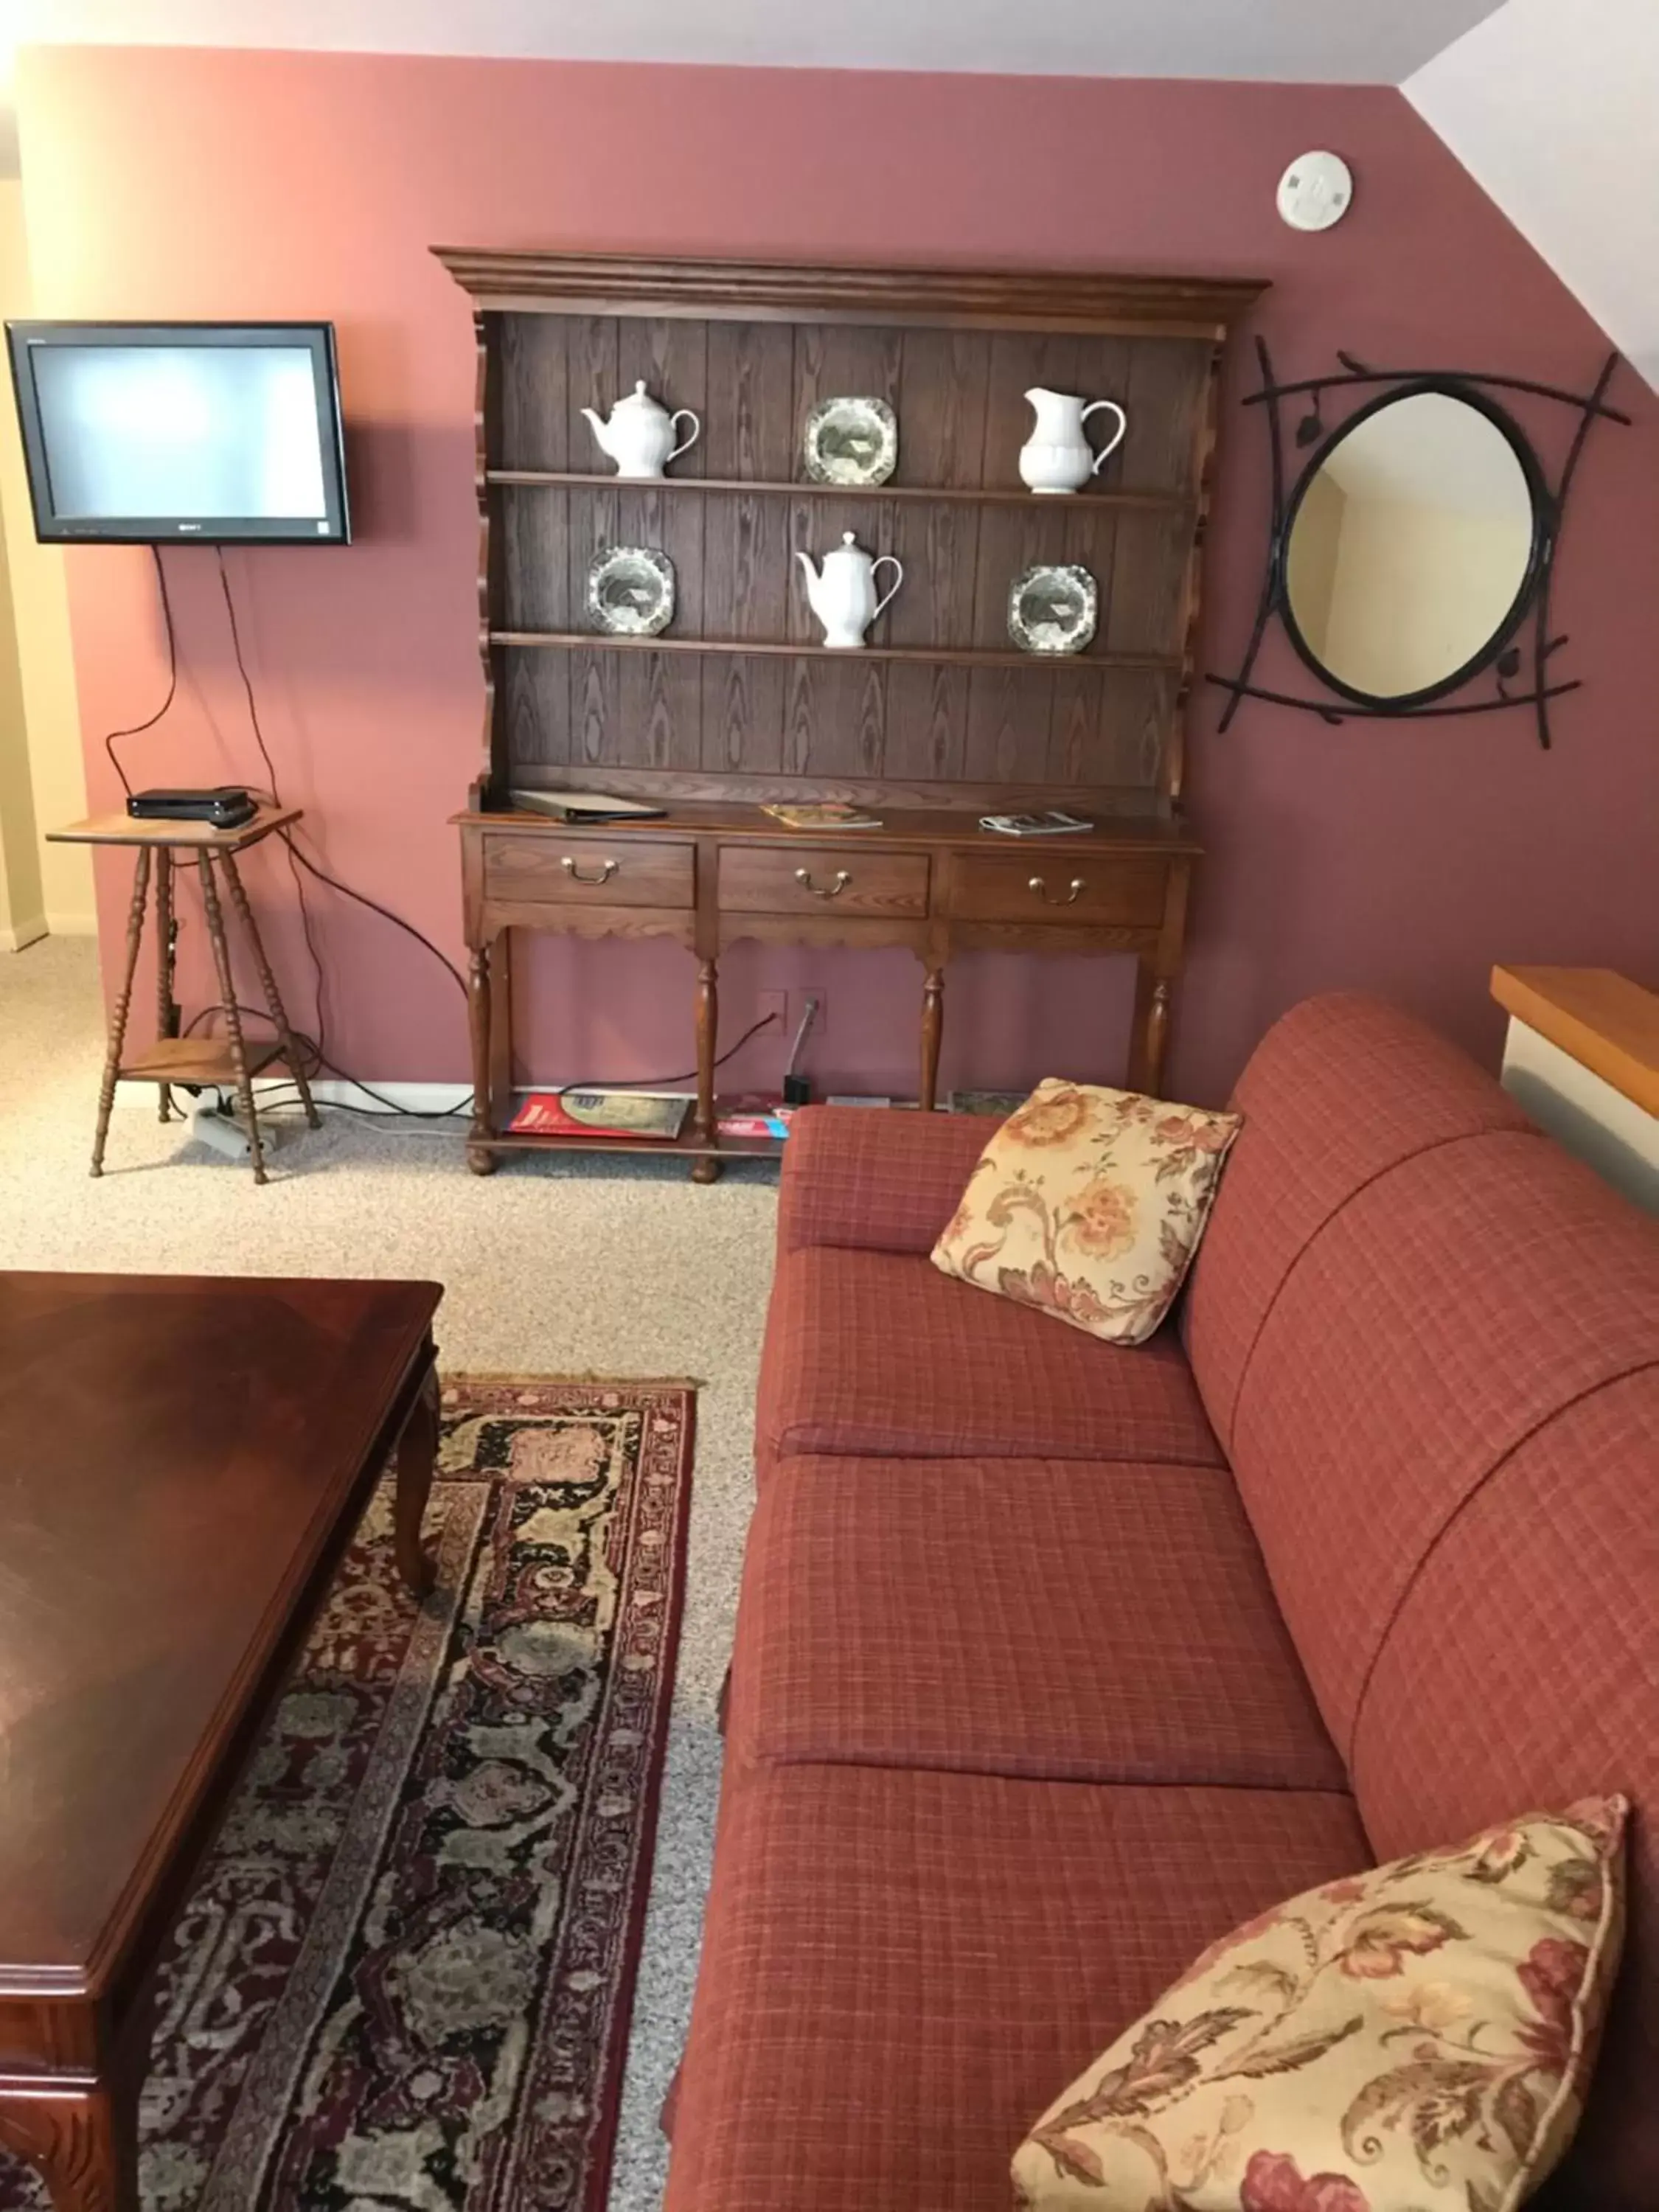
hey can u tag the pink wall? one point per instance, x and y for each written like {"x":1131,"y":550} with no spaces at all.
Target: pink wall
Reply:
{"x":1405,"y":859}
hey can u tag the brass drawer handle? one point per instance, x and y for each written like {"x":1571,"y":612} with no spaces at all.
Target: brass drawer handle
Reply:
{"x":1074,"y":893}
{"x":607,"y":869}
{"x":804,"y":875}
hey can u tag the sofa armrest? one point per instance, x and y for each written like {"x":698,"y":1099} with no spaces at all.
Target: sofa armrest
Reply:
{"x":882,"y":1180}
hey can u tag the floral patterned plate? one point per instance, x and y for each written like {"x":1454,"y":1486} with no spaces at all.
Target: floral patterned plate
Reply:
{"x":631,"y":591}
{"x":1052,"y":610}
{"x":851,"y":441}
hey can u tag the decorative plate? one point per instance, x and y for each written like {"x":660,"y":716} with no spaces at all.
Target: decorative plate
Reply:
{"x":851,"y":441}
{"x":631,"y":591}
{"x":1052,"y":610}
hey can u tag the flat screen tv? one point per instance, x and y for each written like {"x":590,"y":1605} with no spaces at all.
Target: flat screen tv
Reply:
{"x":144,"y":433}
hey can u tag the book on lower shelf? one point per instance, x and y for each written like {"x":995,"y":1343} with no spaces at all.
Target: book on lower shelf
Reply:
{"x":752,"y":1115}
{"x":641,"y":1113}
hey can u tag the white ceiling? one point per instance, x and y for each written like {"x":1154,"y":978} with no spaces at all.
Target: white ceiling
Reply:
{"x":1314,"y":41}
{"x":1553,"y":106}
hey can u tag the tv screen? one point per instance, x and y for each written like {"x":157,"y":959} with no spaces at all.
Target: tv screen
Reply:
{"x":144,"y":432}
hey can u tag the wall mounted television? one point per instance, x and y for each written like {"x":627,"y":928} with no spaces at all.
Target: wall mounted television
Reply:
{"x":151,"y":433}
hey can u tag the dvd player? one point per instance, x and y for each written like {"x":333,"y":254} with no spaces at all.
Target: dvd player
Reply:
{"x":226,"y":807}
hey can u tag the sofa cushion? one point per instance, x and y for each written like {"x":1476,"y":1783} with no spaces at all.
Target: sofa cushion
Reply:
{"x":878,"y":1353}
{"x":1088,"y":1204}
{"x":1523,"y":1662}
{"x":897,"y":1967}
{"x":1061,"y":1619}
{"x":1415,"y":2038}
{"x":1457,"y":1303}
{"x":1337,"y":1092}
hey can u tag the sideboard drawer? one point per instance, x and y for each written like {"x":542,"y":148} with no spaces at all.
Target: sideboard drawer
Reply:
{"x":805,"y":878}
{"x":557,"y":871}
{"x":1034,"y":886}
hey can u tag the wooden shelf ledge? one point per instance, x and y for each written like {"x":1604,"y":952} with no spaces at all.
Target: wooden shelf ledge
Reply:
{"x":1173,"y":503}
{"x":205,"y":1061}
{"x":594,"y":640}
{"x":1597,"y":1017}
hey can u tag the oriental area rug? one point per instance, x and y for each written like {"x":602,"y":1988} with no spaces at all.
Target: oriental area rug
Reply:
{"x":404,"y":1976}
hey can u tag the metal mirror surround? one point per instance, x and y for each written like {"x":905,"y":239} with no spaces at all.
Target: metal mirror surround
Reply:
{"x":1393,"y":612}
{"x":1412,"y":545}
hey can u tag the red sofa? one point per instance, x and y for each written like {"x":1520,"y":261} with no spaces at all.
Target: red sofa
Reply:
{"x":1055,"y":1661}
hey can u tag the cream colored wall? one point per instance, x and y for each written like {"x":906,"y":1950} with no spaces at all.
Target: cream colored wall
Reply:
{"x":1417,"y":590}
{"x":22,"y":916}
{"x":1611,"y":1132}
{"x":39,"y":608}
{"x":1315,"y":544}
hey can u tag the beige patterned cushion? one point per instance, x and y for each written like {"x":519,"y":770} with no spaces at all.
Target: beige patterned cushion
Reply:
{"x":1089,"y":1204}
{"x":1416,"y":2039}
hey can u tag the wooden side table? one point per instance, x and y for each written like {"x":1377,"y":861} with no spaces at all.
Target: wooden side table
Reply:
{"x":230,"y":1060}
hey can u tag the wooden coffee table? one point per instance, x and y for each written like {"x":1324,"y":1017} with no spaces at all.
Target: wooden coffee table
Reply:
{"x":183,"y":1460}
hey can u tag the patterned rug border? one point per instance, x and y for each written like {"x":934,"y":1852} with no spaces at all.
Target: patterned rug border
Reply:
{"x":603,"y":2139}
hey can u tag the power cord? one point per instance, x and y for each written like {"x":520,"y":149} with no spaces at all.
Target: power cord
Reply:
{"x":137,"y":729}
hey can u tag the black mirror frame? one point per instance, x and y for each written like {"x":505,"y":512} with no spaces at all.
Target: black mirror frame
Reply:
{"x":1541,"y":539}
{"x":1500,"y":652}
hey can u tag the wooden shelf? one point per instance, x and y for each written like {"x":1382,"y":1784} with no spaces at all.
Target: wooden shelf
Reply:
{"x":595,"y":640}
{"x":687,"y":1145}
{"x":196,"y":1060}
{"x":960,"y":494}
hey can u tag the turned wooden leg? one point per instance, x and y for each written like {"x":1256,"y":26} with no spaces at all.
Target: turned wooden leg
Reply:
{"x":479,"y":1159}
{"x":417,"y":1452}
{"x":932,"y":1024}
{"x":1150,"y":1033}
{"x":118,"y":1020}
{"x":708,"y":1167}
{"x":83,"y":2143}
{"x":268,"y":984}
{"x":167,"y":940}
{"x":216,"y":929}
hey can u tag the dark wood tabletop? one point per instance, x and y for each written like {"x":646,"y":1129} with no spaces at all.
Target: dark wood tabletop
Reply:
{"x":175,"y":1453}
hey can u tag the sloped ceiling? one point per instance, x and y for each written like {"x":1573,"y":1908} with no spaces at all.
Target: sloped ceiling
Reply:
{"x":1553,"y":106}
{"x":1312,"y":42}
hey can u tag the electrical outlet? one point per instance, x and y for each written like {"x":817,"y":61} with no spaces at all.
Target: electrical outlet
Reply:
{"x":798,"y":1004}
{"x":776,"y":1003}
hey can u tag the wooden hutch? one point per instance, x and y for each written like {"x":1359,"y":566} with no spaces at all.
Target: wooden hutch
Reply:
{"x":938,"y":720}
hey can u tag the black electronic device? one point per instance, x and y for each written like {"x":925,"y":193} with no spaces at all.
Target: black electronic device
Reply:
{"x":216,"y":432}
{"x":225,"y":807}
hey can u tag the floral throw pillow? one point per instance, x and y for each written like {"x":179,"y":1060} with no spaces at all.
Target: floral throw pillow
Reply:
{"x":1416,"y":2039}
{"x":1089,"y":1204}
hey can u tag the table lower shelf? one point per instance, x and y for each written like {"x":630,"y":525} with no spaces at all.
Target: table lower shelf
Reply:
{"x":205,"y":1061}
{"x":686,"y":1146}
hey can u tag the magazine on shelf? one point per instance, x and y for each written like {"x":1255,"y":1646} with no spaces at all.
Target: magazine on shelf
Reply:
{"x":574,"y":806}
{"x":1054,"y":823}
{"x":601,"y":1113}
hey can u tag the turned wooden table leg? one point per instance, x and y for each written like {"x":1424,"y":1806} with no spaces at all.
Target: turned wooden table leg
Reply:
{"x":268,"y":984}
{"x":417,"y":1453}
{"x":83,"y":2143}
{"x":1150,"y":1033}
{"x":118,"y":1020}
{"x":167,"y":940}
{"x":216,"y":929}
{"x":932,"y":1024}
{"x":707,"y":1168}
{"x":479,"y":1158}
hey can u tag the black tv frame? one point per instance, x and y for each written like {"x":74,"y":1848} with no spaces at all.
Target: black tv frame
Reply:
{"x":183,"y":530}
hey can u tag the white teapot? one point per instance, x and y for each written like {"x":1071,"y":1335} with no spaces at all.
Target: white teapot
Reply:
{"x":1057,"y":456}
{"x":639,"y":435}
{"x":842,"y":590}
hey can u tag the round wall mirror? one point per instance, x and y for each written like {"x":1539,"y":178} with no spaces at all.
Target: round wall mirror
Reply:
{"x":1412,"y":545}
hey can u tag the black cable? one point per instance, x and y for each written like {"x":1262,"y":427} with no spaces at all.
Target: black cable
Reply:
{"x":137,"y":729}
{"x":241,"y":670}
{"x":375,"y":907}
{"x":687,"y":1075}
{"x":319,"y":1060}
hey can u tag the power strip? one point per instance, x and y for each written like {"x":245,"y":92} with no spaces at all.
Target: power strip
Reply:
{"x":222,"y":1132}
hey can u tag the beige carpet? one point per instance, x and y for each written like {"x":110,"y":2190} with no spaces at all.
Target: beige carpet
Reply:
{"x":553,"y":1267}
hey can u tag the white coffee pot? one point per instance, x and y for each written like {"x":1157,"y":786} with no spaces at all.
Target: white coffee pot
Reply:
{"x":1057,"y":457}
{"x":842,"y":590}
{"x":639,"y":435}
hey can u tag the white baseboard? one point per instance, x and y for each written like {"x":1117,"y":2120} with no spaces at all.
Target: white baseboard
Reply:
{"x":19,"y":936}
{"x":407,"y":1097}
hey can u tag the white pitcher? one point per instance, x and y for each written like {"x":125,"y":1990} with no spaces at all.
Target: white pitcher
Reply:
{"x":1057,"y":456}
{"x":639,"y":435}
{"x":842,"y":590}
